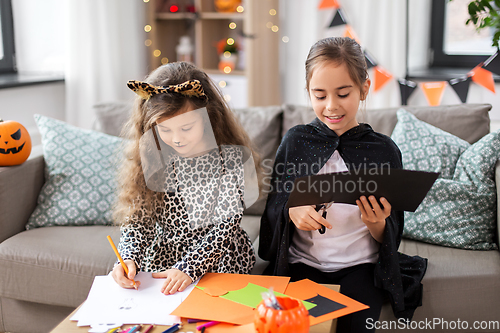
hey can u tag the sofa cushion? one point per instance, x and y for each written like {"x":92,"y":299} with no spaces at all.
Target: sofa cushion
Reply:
{"x":55,"y":265}
{"x":458,"y":284}
{"x":425,"y":147}
{"x":470,"y":122}
{"x":111,"y":116}
{"x":80,"y":179}
{"x":263,"y":125}
{"x":461,"y":212}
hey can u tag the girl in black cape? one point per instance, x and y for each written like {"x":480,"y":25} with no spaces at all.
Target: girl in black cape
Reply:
{"x":359,"y":249}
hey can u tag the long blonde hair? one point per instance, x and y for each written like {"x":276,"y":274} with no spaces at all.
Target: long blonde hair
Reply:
{"x":132,"y":190}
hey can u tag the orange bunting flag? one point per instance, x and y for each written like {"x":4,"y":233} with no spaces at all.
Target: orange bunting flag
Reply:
{"x":483,"y":77}
{"x":350,"y":33}
{"x":381,"y":77}
{"x":325,"y":4}
{"x":433,"y":91}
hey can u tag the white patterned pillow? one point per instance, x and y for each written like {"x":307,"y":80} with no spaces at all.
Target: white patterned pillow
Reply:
{"x":79,"y":176}
{"x":425,"y":147}
{"x":461,"y":212}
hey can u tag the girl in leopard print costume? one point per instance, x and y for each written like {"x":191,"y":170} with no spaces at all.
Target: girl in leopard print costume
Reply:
{"x":182,"y":221}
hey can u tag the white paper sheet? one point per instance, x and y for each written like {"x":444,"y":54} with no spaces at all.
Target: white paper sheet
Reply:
{"x":107,"y":302}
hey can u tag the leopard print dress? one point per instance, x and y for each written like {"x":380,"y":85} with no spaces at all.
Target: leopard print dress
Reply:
{"x":197,"y":228}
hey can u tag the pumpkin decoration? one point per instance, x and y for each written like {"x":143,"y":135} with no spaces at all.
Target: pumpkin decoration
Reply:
{"x":294,"y":317}
{"x":15,"y":143}
{"x":226,"y":6}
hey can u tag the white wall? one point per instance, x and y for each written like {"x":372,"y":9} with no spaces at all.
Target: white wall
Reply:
{"x":39,"y":42}
{"x":21,"y":103}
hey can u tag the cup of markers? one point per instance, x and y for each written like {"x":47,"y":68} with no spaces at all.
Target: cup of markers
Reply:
{"x":281,"y":315}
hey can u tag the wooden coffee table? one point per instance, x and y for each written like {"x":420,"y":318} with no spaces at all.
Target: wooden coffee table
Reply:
{"x":68,"y":326}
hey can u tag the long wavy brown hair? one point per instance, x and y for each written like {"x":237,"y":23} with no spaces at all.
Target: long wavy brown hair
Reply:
{"x":132,"y":190}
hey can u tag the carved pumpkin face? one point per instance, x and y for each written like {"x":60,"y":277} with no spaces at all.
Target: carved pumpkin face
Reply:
{"x":226,"y":6}
{"x":15,"y":143}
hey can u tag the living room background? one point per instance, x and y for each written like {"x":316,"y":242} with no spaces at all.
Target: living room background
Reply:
{"x":98,"y":45}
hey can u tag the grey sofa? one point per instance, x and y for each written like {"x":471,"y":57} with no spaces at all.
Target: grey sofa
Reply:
{"x":45,"y":273}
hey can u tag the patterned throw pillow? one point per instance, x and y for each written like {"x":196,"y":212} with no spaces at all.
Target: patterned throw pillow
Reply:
{"x":79,"y":176}
{"x":425,"y":147}
{"x":461,"y":212}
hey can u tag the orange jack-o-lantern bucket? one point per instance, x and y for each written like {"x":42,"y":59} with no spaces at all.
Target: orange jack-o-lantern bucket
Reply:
{"x":15,"y":143}
{"x":294,"y":317}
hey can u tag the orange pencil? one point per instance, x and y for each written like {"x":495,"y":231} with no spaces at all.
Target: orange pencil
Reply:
{"x":120,"y":258}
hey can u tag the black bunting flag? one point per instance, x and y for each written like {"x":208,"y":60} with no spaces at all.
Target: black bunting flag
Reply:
{"x":493,"y":63}
{"x":338,"y":19}
{"x":406,"y":88}
{"x":461,"y":86}
{"x":370,"y":60}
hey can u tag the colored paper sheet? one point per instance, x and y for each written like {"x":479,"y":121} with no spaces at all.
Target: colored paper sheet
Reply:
{"x":433,"y":91}
{"x":493,"y":63}
{"x":306,"y":289}
{"x":338,"y":19}
{"x":406,"y":88}
{"x":251,"y":296}
{"x":202,"y":306}
{"x":351,"y":34}
{"x":325,"y":4}
{"x":324,"y":306}
{"x":461,"y":86}
{"x":381,"y":77}
{"x":483,"y":77}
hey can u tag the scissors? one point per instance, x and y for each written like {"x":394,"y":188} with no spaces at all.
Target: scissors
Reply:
{"x":324,"y":207}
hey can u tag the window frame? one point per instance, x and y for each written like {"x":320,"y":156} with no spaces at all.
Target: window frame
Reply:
{"x":438,"y":57}
{"x":8,"y":63}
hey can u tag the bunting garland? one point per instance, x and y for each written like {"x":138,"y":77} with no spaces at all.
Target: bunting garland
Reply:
{"x":350,"y":33}
{"x":493,"y":63}
{"x":381,"y":77}
{"x":406,"y":88}
{"x":338,"y":19}
{"x":370,"y":61}
{"x":433,"y":91}
{"x":482,"y":74}
{"x":483,"y":77}
{"x":325,"y":4}
{"x":461,"y":86}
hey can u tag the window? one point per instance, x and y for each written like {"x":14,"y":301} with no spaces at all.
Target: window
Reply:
{"x":453,"y":43}
{"x":7,"y":53}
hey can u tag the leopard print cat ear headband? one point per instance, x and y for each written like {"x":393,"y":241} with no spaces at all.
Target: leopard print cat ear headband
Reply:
{"x":146,"y":90}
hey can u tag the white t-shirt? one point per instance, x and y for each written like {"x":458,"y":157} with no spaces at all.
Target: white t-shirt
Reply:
{"x":348,"y":243}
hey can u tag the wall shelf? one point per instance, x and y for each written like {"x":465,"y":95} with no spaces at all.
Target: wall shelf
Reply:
{"x":206,"y":27}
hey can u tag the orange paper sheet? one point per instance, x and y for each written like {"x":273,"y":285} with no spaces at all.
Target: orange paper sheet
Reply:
{"x":305,"y":289}
{"x":199,"y":305}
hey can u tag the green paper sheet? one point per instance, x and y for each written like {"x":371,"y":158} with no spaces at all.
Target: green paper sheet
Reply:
{"x":251,"y":296}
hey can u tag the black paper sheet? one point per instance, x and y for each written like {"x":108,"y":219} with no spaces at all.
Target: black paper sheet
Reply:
{"x":404,"y":189}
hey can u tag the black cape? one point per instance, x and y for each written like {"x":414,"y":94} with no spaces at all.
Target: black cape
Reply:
{"x":303,"y":152}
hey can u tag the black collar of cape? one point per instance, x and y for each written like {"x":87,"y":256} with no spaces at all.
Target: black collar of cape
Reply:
{"x":306,"y":149}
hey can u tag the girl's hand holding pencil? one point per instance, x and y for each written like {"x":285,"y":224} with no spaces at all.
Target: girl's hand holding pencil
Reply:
{"x":124,"y":274}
